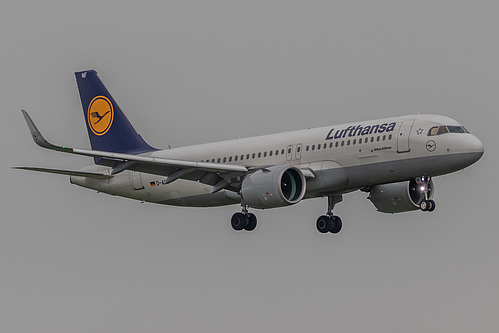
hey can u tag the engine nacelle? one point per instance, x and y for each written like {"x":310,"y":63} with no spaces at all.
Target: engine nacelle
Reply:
{"x":275,"y":186}
{"x":400,"y":197}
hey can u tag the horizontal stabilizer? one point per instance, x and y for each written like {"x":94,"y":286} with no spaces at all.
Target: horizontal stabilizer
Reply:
{"x":68,"y":172}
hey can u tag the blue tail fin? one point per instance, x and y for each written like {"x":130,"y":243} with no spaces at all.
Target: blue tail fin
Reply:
{"x":108,"y":128}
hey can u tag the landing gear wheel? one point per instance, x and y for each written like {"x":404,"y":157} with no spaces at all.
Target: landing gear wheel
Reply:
{"x":337,"y":224}
{"x":238,"y":221}
{"x":432,"y":205}
{"x":251,"y":222}
{"x":324,"y":224}
{"x":425,"y":205}
{"x":329,"y":222}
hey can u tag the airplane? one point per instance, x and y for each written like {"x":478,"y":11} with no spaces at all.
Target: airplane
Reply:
{"x":394,"y":160}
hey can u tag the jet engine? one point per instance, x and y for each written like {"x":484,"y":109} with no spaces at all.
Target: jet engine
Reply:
{"x":275,"y":186}
{"x":401,"y":197}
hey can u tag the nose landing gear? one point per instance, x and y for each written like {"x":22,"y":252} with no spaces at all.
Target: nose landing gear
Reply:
{"x":427,"y":204}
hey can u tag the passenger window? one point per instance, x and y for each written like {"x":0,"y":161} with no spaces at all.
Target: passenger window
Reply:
{"x":372,"y":139}
{"x":354,"y":141}
{"x":318,"y":146}
{"x":330,"y":145}
{"x":308,"y":147}
{"x":225,"y":159}
{"x":336,"y":144}
{"x":277,"y":152}
{"x":271,"y":152}
{"x":325,"y":145}
{"x":265,"y":154}
{"x":259,"y":154}
{"x":384,"y":137}
{"x":253,"y":156}
{"x":390,"y":137}
{"x":282,"y":151}
{"x":218,"y":160}
{"x":242,"y":157}
{"x":230,"y":159}
{"x":247,"y":156}
{"x":348,"y":143}
{"x":342,"y":143}
{"x":377,"y":139}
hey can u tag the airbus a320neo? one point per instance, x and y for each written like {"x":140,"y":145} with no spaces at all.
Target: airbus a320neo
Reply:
{"x":392,"y":159}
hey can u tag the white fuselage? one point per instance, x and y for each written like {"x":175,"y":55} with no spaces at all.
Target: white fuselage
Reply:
{"x":335,"y":159}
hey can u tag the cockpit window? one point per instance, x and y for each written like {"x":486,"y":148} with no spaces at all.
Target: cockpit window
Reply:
{"x":457,"y":129}
{"x":442,"y":130}
{"x":438,"y":130}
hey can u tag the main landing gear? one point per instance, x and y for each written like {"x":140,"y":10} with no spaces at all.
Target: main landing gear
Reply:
{"x":244,"y":220}
{"x":329,"y":222}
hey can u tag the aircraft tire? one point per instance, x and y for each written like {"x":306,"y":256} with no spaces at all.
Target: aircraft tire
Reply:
{"x":425,"y":205}
{"x":324,"y":224}
{"x":432,"y":205}
{"x":238,"y":221}
{"x":336,"y":225}
{"x":251,"y":224}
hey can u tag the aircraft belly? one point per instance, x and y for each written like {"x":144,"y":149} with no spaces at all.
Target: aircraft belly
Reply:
{"x":405,"y":169}
{"x":331,"y":177}
{"x":222,"y":198}
{"x":185,"y":193}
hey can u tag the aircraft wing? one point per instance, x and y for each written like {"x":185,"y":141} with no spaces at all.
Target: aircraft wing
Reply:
{"x":216,"y":174}
{"x":220,"y":176}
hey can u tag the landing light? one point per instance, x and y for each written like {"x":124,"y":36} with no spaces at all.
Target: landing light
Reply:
{"x":422,"y":188}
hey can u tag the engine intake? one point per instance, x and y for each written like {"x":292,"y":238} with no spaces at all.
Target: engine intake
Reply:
{"x":400,"y":197}
{"x":272,"y":187}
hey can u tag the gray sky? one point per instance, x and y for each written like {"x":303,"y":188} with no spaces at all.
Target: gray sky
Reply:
{"x":189,"y":72}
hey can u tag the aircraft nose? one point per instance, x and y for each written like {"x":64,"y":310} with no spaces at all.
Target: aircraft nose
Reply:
{"x":475,"y":147}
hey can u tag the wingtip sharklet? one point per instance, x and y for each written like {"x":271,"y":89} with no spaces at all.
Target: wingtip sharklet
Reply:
{"x":37,"y":135}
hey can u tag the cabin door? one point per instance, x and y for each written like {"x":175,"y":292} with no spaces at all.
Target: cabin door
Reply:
{"x":403,"y":137}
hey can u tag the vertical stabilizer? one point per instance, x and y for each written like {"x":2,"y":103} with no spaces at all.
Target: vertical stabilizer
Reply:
{"x":108,"y":128}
